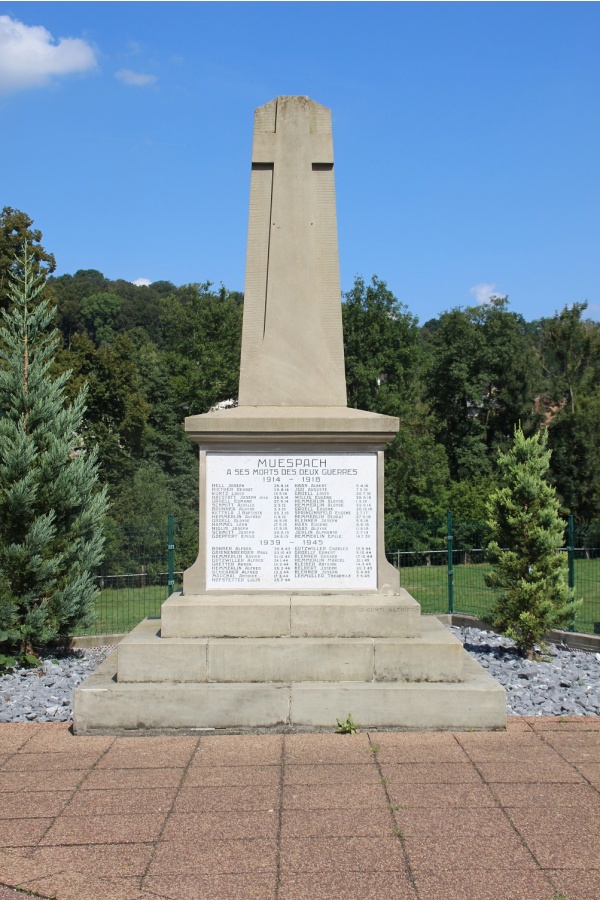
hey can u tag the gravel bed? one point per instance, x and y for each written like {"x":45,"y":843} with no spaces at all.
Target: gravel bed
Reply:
{"x":563,"y":682}
{"x":45,"y":693}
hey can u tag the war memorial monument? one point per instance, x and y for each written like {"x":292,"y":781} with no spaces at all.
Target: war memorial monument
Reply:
{"x":291,"y":616}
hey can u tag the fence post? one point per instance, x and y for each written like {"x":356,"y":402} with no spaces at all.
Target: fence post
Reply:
{"x":171,"y":557}
{"x":450,"y":539}
{"x":571,"y":558}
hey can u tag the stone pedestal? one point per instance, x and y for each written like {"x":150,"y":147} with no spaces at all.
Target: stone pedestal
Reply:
{"x":291,"y":616}
{"x":232,"y":659}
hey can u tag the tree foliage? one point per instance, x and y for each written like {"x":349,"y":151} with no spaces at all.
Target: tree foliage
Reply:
{"x":527,"y":533}
{"x":51,"y":511}
{"x":15,"y":233}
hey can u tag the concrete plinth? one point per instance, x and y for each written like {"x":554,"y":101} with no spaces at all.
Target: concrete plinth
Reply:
{"x":103,"y":704}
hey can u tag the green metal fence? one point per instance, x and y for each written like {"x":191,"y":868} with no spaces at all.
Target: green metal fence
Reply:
{"x":136,"y":577}
{"x":442,"y":564}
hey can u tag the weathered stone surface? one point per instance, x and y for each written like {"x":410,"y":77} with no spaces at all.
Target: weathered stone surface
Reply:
{"x":241,"y":659}
{"x":292,"y":348}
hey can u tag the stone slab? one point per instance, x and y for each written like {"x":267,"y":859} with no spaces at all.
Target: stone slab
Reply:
{"x":225,"y":615}
{"x":436,"y":655}
{"x":101,"y":704}
{"x":258,"y":423}
{"x":143,"y":655}
{"x":369,"y":614}
{"x":355,"y":615}
{"x":290,"y":659}
{"x":478,"y":702}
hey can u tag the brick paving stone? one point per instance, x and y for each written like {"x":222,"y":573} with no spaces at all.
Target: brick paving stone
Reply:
{"x":349,"y":776}
{"x":58,"y":736}
{"x":337,"y":749}
{"x":239,"y":750}
{"x":343,"y":855}
{"x":431,"y":773}
{"x":149,"y":753}
{"x":221,"y":825}
{"x":590,"y":771}
{"x":130,"y":779}
{"x":228,"y":857}
{"x":232,"y":776}
{"x":69,"y":886}
{"x":438,"y":795}
{"x":48,"y":761}
{"x":564,"y":723}
{"x":192,"y":799}
{"x":32,"y":804}
{"x":97,"y":860}
{"x":356,"y":886}
{"x":321,"y":796}
{"x":135,"y":801}
{"x":14,"y":735}
{"x":507,"y":748}
{"x":538,"y":796}
{"x":529,"y":770}
{"x":110,"y":829}
{"x":576,"y":884}
{"x":517,"y":723}
{"x":18,"y":781}
{"x":23,"y":832}
{"x":187,"y":817}
{"x":400,"y":747}
{"x":232,"y":887}
{"x":15,"y":866}
{"x":468,"y":883}
{"x":576,"y":748}
{"x":335,"y":823}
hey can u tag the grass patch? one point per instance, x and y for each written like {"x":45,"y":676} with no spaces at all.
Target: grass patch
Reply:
{"x":429,"y":586}
{"x":118,"y":610}
{"x":121,"y":609}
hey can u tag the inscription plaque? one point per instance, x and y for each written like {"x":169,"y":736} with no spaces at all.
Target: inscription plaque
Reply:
{"x":302,"y":521}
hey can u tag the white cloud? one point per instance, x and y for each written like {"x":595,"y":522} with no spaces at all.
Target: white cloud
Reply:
{"x":135,"y":79}
{"x":142,"y":282}
{"x":30,"y":56}
{"x":482,"y":292}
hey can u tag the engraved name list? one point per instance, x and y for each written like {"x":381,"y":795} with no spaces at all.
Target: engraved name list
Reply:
{"x":300,"y":522}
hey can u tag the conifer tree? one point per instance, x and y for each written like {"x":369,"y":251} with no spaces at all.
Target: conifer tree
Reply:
{"x":51,"y":507}
{"x":527,"y":532}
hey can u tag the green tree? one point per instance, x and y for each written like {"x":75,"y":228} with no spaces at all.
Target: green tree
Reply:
{"x":99,"y":313}
{"x":482,"y":378}
{"x":202,"y":331}
{"x":527,"y":532}
{"x":51,"y":511}
{"x":384,"y":363}
{"x":571,"y":350}
{"x":15,"y":233}
{"x":116,"y":410}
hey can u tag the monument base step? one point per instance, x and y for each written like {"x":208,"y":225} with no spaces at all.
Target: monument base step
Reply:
{"x":145,"y":656}
{"x":263,"y":615}
{"x":104,"y":705}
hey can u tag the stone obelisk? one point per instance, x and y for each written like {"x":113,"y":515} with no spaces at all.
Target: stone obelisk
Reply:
{"x":291,"y":615}
{"x":292,"y":345}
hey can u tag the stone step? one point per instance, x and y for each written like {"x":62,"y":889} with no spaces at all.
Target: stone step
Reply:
{"x":368,"y":614}
{"x":436,"y":655}
{"x":103,"y":705}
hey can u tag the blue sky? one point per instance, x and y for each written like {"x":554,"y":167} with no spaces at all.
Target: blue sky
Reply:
{"x":466,"y":137}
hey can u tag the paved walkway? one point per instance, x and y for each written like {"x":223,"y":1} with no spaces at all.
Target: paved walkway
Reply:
{"x":479,"y":816}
